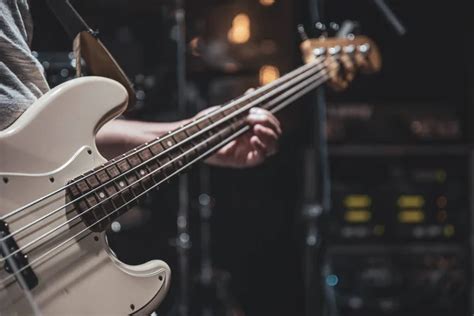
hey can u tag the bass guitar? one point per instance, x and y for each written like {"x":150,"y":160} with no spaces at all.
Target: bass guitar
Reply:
{"x":58,"y":194}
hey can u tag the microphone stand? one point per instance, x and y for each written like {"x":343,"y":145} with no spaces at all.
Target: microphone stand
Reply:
{"x":390,"y":16}
{"x":183,"y":242}
{"x":317,"y":199}
{"x":213,"y":296}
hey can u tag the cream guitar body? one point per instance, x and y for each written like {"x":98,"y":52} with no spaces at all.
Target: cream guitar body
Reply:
{"x":52,"y":143}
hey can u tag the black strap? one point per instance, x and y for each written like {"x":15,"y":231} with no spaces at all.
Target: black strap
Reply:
{"x":89,"y":47}
{"x":70,"y":19}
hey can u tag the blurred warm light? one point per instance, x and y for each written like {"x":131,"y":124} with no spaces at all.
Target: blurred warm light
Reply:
{"x":357,"y":201}
{"x":268,"y":74}
{"x":411,"y":201}
{"x":411,"y":216}
{"x":357,"y":216}
{"x":231,"y":67}
{"x":239,"y":33}
{"x":194,"y":45}
{"x":267,"y":3}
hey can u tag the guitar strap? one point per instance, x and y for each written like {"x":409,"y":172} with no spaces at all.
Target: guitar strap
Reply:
{"x":89,"y":48}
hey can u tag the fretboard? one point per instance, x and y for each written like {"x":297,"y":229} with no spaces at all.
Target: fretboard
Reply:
{"x":108,"y":191}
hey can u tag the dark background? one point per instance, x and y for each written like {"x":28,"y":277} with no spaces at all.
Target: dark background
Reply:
{"x":391,"y":134}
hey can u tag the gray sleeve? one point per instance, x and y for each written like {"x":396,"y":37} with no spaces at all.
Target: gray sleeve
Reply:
{"x":21,"y":75}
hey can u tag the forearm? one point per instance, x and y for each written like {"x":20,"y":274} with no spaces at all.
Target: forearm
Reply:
{"x":119,"y":136}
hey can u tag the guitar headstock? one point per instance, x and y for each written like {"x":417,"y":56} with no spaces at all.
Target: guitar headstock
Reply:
{"x":343,"y":57}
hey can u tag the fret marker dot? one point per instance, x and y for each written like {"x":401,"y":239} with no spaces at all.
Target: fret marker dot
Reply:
{"x":169,"y":143}
{"x":142,"y":172}
{"x":102,"y":195}
{"x":122,"y":184}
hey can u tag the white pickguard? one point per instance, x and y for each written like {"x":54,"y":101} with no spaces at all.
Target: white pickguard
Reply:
{"x":52,"y":143}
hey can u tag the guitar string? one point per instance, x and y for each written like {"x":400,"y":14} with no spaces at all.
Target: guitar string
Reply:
{"x":242,"y":99}
{"x":46,"y":234}
{"x":223,"y":120}
{"x":135,"y":168}
{"x":283,"y":104}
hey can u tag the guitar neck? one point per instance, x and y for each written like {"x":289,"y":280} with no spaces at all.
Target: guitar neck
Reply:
{"x":110,"y":190}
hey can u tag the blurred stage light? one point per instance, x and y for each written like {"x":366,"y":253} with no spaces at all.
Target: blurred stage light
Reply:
{"x":267,"y":3}
{"x":268,"y":74}
{"x":239,"y":33}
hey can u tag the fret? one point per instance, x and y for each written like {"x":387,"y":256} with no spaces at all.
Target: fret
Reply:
{"x":168,"y":142}
{"x":125,"y":192}
{"x":201,"y":145}
{"x":90,"y":200}
{"x":146,"y":180}
{"x":194,"y":142}
{"x":153,"y":165}
{"x":82,"y":186}
{"x":74,"y":191}
{"x":102,"y":176}
{"x":238,"y":123}
{"x":91,"y":211}
{"x":180,"y":136}
{"x":99,"y":209}
{"x":232,"y":125}
{"x":145,"y":154}
{"x":92,"y":181}
{"x":106,"y":200}
{"x":215,"y":117}
{"x":187,"y":150}
{"x":228,"y":111}
{"x":113,"y":171}
{"x":130,"y":178}
{"x":123,"y":165}
{"x":135,"y":186}
{"x":166,"y":167}
{"x":88,"y":215}
{"x":192,"y":129}
{"x":205,"y":123}
{"x":156,"y":148}
{"x":115,"y":199}
{"x":82,"y":206}
{"x":134,"y":160}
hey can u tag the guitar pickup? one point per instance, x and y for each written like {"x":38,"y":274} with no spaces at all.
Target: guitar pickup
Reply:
{"x":15,"y":260}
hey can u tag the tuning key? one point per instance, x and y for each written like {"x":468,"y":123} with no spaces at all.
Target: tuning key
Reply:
{"x":364,"y":48}
{"x":302,"y":32}
{"x":334,"y":50}
{"x":319,"y":51}
{"x":321,"y":28}
{"x":334,"y":28}
{"x":349,"y":49}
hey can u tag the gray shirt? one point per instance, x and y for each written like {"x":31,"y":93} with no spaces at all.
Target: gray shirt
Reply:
{"x":21,"y":76}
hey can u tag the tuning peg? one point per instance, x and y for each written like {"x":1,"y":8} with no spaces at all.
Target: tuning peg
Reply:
{"x":334,"y":27}
{"x":302,"y":32}
{"x":334,"y":50}
{"x":321,"y":29}
{"x":349,"y":49}
{"x":319,"y":51}
{"x":364,"y":48}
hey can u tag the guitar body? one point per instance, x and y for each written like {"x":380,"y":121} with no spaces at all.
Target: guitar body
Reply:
{"x":52,"y":143}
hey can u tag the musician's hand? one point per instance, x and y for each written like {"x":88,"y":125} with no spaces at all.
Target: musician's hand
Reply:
{"x":253,"y":147}
{"x":250,"y":149}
